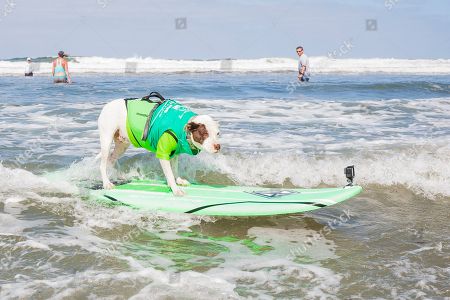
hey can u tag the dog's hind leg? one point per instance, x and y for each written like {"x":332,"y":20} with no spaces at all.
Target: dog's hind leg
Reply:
{"x":106,"y":139}
{"x":111,"y":122}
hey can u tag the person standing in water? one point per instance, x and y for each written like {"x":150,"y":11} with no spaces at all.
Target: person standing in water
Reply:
{"x":60,"y":69}
{"x":29,"y":68}
{"x":303,"y":65}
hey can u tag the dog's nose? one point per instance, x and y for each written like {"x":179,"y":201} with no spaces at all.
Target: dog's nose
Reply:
{"x":217,"y":147}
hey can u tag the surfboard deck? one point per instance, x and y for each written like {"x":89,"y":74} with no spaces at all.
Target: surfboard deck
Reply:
{"x":214,"y":200}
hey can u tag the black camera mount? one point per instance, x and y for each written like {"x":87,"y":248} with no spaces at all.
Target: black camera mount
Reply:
{"x":349,"y":174}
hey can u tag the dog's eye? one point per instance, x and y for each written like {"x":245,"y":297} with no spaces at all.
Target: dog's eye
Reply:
{"x":218,"y":133}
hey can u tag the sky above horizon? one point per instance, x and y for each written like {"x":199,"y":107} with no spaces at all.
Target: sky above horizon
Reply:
{"x":197,"y":29}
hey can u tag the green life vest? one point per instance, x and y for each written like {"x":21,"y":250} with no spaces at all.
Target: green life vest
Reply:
{"x":168,"y":116}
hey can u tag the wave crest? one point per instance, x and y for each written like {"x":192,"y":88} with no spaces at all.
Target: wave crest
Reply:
{"x":319,"y":64}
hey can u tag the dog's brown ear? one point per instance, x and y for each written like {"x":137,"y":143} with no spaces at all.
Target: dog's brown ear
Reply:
{"x":192,"y":126}
{"x":198,"y":131}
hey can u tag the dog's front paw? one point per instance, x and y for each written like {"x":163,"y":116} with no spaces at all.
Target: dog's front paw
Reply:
{"x":178,"y":192}
{"x":181,"y":181}
{"x":108,"y":185}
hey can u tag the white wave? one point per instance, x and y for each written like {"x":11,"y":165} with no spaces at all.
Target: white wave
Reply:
{"x":22,"y":182}
{"x":33,"y":244}
{"x":19,"y":185}
{"x":422,"y":171}
{"x":133,"y":278}
{"x":76,"y":261}
{"x":280,"y":268}
{"x":305,"y":142}
{"x":146,"y":283}
{"x":318,"y":64}
{"x":420,"y":168}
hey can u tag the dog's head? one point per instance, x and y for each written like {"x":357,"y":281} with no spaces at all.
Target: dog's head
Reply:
{"x":204,"y":133}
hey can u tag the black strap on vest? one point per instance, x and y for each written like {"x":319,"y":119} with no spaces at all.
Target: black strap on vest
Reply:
{"x":175,"y":138}
{"x":126,"y":101}
{"x":149,"y":117}
{"x":156,"y":95}
{"x":172,"y":134}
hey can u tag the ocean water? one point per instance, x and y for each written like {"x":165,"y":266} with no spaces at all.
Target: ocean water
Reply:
{"x":391,"y":241}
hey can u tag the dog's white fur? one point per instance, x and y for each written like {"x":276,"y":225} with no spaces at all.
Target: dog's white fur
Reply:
{"x":112,"y":127}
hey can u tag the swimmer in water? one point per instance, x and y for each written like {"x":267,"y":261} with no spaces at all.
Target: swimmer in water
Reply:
{"x":29,"y":68}
{"x":60,"y":69}
{"x":303,"y":65}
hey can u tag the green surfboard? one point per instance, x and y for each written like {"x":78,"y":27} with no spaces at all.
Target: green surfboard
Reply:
{"x":213,"y":200}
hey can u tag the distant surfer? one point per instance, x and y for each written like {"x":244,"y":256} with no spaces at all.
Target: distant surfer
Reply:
{"x":60,"y":69}
{"x":29,"y":68}
{"x":303,"y":65}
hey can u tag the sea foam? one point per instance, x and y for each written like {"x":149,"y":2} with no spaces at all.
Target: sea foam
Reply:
{"x":319,"y":64}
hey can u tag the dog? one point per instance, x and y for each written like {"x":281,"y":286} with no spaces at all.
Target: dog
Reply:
{"x":162,"y":126}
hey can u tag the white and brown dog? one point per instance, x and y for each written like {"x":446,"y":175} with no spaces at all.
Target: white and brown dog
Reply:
{"x":148,"y":128}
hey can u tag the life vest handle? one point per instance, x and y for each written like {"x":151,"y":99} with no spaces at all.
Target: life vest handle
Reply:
{"x":154,"y":95}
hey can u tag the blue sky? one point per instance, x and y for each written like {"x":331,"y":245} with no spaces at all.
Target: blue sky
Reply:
{"x":225,"y":29}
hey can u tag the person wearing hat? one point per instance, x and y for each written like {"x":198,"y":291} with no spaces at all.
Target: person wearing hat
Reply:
{"x":60,"y":69}
{"x":29,"y":68}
